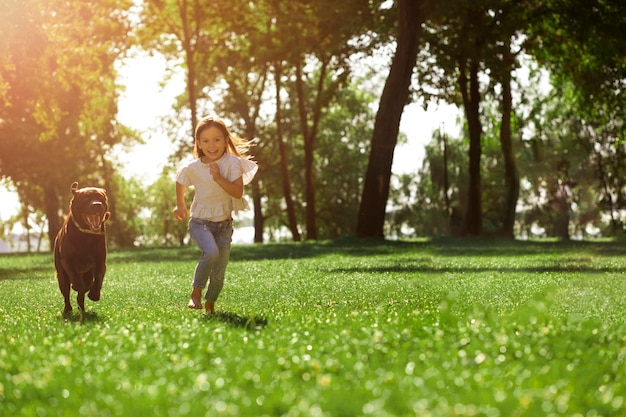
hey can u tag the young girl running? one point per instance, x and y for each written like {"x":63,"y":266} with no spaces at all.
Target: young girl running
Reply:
{"x":218,"y":176}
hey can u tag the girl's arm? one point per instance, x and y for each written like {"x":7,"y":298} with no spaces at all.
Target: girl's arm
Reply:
{"x":180,"y":212}
{"x":234,"y":188}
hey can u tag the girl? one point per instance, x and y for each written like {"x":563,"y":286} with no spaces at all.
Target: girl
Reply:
{"x":218,"y":176}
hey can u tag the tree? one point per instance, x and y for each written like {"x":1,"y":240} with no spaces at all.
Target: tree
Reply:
{"x":292,"y":221}
{"x":371,"y":218}
{"x":510,"y":20}
{"x":344,"y":139}
{"x":433,"y":202}
{"x":159,"y":227}
{"x":244,"y":43}
{"x":460,"y":45}
{"x":477,"y":46}
{"x":58,"y":82}
{"x":324,"y":45}
{"x":582,"y":44}
{"x":511,"y":174}
{"x":321,"y":38}
{"x":169,"y":26}
{"x":124,"y":228}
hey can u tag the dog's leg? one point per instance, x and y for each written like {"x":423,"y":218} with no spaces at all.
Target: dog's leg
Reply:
{"x":80,"y":299}
{"x":63,"y":279}
{"x":76,"y":279}
{"x":83,"y":283}
{"x":98,"y":278}
{"x":64,"y":285}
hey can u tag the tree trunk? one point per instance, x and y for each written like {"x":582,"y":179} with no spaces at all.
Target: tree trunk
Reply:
{"x":26,"y":236}
{"x":42,"y":224}
{"x":284,"y":165}
{"x":310,"y":136}
{"x":309,"y":190}
{"x":560,"y":206}
{"x":249,"y":110}
{"x":395,"y":94}
{"x":190,"y":50}
{"x":51,"y":206}
{"x":259,"y":218}
{"x":511,"y":175}
{"x":446,"y":185}
{"x":471,"y":104}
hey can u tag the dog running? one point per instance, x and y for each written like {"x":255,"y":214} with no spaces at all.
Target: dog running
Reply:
{"x":80,"y":246}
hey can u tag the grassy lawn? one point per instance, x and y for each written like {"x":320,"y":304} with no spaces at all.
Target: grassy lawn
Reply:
{"x":342,"y":328}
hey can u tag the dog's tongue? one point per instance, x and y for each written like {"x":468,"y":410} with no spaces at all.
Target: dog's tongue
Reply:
{"x":94,"y":222}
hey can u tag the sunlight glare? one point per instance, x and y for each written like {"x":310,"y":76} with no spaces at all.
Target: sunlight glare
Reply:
{"x":142,"y":106}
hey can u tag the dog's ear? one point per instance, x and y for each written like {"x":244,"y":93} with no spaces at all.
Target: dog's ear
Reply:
{"x":74,"y":187}
{"x":106,"y":217}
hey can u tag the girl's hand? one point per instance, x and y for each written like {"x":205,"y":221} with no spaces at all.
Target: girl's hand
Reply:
{"x":215,"y":171}
{"x":233,"y":188}
{"x":180,"y":213}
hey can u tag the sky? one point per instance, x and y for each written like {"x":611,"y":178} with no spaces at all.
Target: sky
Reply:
{"x":145,"y":101}
{"x":141,"y":105}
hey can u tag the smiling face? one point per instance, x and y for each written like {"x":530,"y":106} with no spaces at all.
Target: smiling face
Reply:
{"x":212,"y":142}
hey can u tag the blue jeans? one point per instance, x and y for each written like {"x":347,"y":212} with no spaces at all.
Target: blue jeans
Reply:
{"x":213,"y":239}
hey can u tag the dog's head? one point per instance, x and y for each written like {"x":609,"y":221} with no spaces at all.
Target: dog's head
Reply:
{"x":89,"y":208}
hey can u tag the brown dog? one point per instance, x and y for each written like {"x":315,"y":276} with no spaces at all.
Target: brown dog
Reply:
{"x":80,"y":246}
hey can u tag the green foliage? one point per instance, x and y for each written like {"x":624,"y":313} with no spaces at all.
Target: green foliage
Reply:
{"x":58,"y":104}
{"x":58,"y":93}
{"x":332,"y":328}
{"x":344,"y":141}
{"x":159,"y":226}
{"x":342,"y":145}
{"x":582,"y":41}
{"x":232,"y":55}
{"x":570,"y":160}
{"x":127,"y":200}
{"x":420,"y":206}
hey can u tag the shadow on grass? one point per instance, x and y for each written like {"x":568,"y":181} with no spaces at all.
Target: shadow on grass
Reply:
{"x":269,"y":251}
{"x":351,"y":246}
{"x":17,"y":274}
{"x":38,"y":266}
{"x":443,"y":270}
{"x":77,"y":317}
{"x":235,"y":320}
{"x":23,"y":266}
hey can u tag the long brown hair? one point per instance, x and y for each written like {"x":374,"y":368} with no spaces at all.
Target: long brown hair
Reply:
{"x":234,"y":145}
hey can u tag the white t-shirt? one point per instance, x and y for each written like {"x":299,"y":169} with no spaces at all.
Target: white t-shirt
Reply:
{"x":210,"y":201}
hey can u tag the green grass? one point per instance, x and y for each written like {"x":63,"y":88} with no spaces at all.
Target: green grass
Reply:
{"x":342,"y":328}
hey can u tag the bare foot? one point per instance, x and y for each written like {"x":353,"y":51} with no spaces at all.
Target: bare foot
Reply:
{"x":209,"y":307}
{"x":194,"y":300}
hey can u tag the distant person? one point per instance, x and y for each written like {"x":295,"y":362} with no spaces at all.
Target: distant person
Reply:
{"x":218,"y":174}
